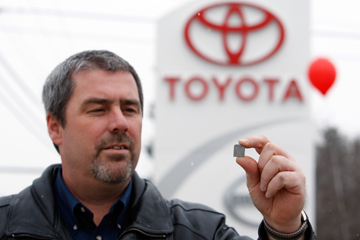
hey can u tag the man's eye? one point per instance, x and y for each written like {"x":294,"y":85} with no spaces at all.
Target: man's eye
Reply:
{"x":98,"y":110}
{"x":130,"y":110}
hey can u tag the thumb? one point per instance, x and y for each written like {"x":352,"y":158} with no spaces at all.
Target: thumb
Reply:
{"x":251,"y":168}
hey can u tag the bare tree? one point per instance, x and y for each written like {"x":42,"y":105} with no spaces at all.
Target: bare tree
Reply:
{"x":337,"y":187}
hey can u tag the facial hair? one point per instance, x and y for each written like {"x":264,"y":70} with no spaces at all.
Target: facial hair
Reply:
{"x":106,"y":170}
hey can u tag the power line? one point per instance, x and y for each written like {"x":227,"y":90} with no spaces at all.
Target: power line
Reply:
{"x":335,"y":34}
{"x":22,"y":170}
{"x":77,"y":35}
{"x":78,"y":14}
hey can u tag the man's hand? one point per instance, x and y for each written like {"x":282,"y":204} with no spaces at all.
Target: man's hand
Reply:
{"x":276,"y":184}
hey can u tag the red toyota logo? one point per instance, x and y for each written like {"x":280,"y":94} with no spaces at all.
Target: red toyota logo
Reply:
{"x":233,"y":37}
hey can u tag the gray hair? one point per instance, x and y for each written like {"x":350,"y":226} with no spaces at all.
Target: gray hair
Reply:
{"x":59,"y":85}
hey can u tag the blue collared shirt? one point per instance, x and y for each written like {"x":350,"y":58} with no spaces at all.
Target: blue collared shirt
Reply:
{"x":79,"y":219}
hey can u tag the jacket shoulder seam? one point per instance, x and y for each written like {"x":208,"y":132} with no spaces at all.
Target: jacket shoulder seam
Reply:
{"x":6,"y":200}
{"x":196,"y":207}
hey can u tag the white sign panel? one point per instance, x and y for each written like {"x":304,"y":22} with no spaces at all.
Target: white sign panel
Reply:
{"x":227,"y":70}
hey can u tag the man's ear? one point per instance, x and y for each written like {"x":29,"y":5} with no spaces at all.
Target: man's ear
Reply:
{"x":54,"y":129}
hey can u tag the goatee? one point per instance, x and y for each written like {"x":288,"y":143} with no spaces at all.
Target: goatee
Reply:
{"x":107,"y":170}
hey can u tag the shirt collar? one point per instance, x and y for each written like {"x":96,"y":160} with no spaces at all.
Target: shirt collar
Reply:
{"x":68,"y":203}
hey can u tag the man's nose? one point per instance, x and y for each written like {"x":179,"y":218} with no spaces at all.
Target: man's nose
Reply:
{"x":118,"y":122}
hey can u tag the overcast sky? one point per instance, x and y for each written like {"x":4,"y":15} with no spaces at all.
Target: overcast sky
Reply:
{"x":36,"y":35}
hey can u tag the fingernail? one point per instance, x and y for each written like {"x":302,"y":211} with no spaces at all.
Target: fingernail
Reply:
{"x":262,"y":187}
{"x":244,"y":141}
{"x":267,"y":195}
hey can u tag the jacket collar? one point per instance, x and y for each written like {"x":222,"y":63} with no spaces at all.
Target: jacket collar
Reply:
{"x":33,"y":211}
{"x":148,"y":205}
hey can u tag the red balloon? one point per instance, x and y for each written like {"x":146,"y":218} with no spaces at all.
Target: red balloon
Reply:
{"x":322,"y":74}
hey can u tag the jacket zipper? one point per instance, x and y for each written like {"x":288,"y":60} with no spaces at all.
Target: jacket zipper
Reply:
{"x":30,"y":236}
{"x":144,"y":233}
{"x":128,"y":230}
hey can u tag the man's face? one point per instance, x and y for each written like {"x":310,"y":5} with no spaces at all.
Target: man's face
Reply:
{"x":102,"y":136}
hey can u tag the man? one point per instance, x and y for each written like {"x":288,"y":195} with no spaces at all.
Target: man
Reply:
{"x":94,"y":106}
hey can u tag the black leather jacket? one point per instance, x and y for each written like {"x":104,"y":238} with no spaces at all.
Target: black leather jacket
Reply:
{"x":32,"y":214}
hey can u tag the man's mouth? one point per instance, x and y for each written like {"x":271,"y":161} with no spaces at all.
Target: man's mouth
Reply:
{"x":116,"y":144}
{"x":117,"y":147}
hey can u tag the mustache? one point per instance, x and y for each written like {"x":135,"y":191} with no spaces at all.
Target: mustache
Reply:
{"x":116,"y":138}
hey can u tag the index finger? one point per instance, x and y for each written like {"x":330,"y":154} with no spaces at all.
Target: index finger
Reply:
{"x":258,"y":142}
